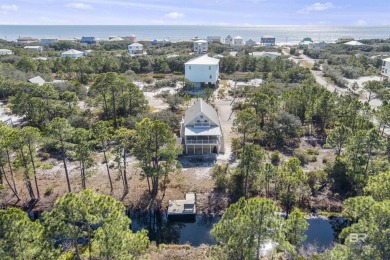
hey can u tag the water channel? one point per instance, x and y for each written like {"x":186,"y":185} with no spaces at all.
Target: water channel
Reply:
{"x":321,"y":231}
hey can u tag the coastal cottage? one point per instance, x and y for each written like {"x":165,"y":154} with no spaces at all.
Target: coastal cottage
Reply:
{"x":317,"y":45}
{"x":26,"y":40}
{"x":238,"y":41}
{"x":250,"y":42}
{"x":131,"y":38}
{"x":201,"y":46}
{"x":34,"y":48}
{"x":201,"y":130}
{"x":263,"y":54}
{"x":386,"y":67}
{"x":72,"y":54}
{"x":213,"y":39}
{"x":88,"y":40}
{"x":229,"y":40}
{"x":115,"y":39}
{"x":202,"y":69}
{"x":5,"y":52}
{"x":136,"y":48}
{"x":268,"y":40}
{"x":305,"y":42}
{"x":47,"y":41}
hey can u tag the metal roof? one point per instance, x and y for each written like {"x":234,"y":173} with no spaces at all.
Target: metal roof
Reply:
{"x":37,"y":80}
{"x":204,"y":59}
{"x":136,"y":44}
{"x":199,"y":131}
{"x":201,"y":107}
{"x":72,"y":51}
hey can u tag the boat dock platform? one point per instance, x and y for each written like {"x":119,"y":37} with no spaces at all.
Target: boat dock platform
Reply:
{"x":186,"y":208}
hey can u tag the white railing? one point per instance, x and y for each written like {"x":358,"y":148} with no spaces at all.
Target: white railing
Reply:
{"x":202,"y":125}
{"x":201,"y":141}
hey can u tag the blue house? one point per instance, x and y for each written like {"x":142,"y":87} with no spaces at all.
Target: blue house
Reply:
{"x":154,"y":42}
{"x":88,"y":40}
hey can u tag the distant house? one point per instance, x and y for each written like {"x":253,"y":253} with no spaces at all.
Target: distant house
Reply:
{"x":212,"y":39}
{"x":37,"y":80}
{"x":305,"y":42}
{"x":317,"y":45}
{"x":115,"y":39}
{"x":345,"y":39}
{"x":47,"y":41}
{"x":136,"y":48}
{"x":33,"y":48}
{"x":202,"y":69}
{"x":26,"y":40}
{"x":88,"y":40}
{"x":201,"y":130}
{"x":268,"y":40}
{"x":229,"y":40}
{"x":238,"y":41}
{"x":263,"y":54}
{"x":68,"y":39}
{"x":354,"y":43}
{"x":386,"y":67}
{"x":72,"y":54}
{"x":201,"y":46}
{"x":5,"y":52}
{"x":131,"y":38}
{"x":250,"y":42}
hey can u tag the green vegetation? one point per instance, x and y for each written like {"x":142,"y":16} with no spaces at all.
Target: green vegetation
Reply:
{"x":282,"y":129}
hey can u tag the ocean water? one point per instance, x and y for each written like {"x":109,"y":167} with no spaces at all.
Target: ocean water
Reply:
{"x":283,"y":34}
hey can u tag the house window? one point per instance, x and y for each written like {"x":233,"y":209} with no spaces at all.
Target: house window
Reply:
{"x":211,"y":76}
{"x":190,"y":67}
{"x":201,"y":116}
{"x":209,"y":67}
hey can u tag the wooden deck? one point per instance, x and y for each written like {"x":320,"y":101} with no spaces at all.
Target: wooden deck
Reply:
{"x":183,"y":207}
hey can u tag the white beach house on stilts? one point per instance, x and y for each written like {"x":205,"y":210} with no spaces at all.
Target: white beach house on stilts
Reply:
{"x":202,"y":69}
{"x":201,"y":130}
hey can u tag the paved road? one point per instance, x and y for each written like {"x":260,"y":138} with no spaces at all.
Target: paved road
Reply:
{"x":319,"y":76}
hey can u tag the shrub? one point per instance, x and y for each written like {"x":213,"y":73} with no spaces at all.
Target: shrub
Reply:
{"x":159,"y":76}
{"x":275,"y":158}
{"x":313,"y":151}
{"x":302,"y":156}
{"x":49,"y":190}
{"x":47,"y":166}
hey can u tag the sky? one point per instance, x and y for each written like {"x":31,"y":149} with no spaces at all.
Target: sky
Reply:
{"x":199,"y":12}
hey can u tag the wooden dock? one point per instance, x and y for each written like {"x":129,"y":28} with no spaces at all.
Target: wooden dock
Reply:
{"x":182,"y":208}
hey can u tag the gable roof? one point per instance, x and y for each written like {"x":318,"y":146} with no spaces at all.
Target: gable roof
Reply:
{"x":354,"y":43}
{"x":203,"y":60}
{"x":198,"y":107}
{"x":136,"y":44}
{"x":72,"y":51}
{"x":37,"y":80}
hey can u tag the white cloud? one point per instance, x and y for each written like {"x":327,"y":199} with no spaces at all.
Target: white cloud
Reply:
{"x":9,"y":8}
{"x":81,"y":6}
{"x":361,"y":23}
{"x":174,"y":15}
{"x":317,"y":7}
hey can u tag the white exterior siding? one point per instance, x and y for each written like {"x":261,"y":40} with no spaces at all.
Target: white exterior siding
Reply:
{"x":202,"y":72}
{"x":386,"y":67}
{"x":5,"y":52}
{"x":136,"y":48}
{"x":201,"y":46}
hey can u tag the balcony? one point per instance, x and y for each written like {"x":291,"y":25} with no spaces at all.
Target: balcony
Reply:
{"x":202,"y":125}
{"x":213,"y":141}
